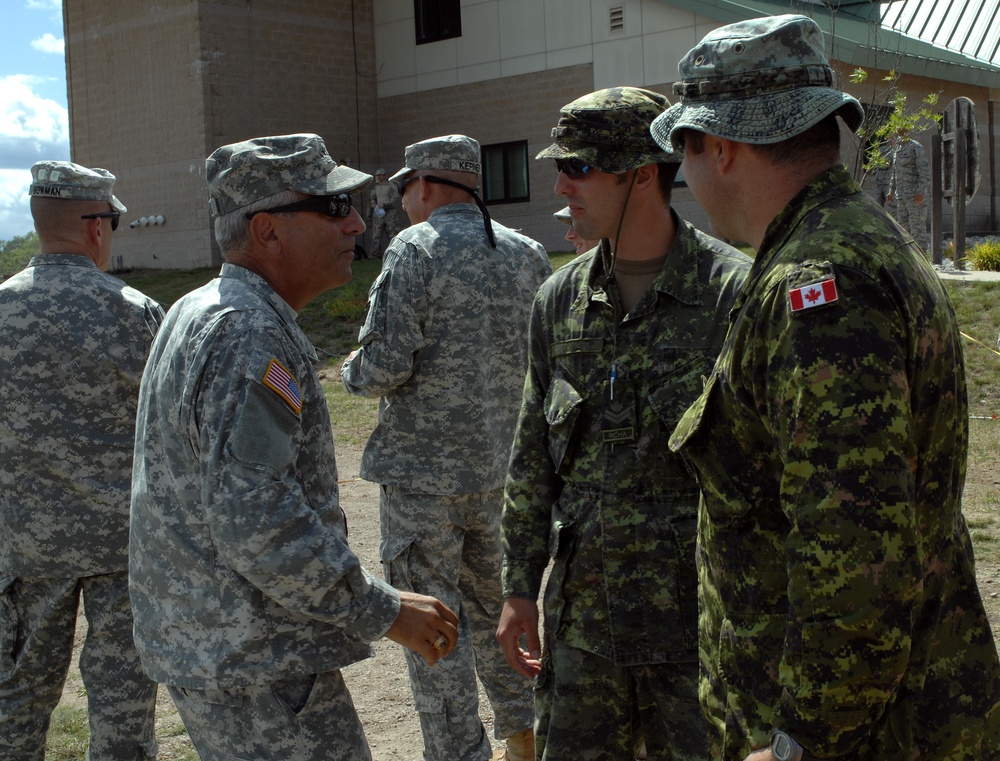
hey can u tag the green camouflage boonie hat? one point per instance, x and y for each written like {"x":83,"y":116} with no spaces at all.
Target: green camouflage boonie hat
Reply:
{"x":72,"y":182}
{"x":242,"y":173}
{"x":449,"y":153}
{"x":564,"y":216}
{"x":758,"y":81}
{"x":609,"y":129}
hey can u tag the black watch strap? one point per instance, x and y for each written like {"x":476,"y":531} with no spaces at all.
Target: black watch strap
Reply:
{"x":785,"y":748}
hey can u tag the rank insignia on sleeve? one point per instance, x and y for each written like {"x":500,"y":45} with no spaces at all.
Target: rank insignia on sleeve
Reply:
{"x":281,"y":382}
{"x":813,"y":295}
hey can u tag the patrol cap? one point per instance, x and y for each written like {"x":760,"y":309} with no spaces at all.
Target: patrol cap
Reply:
{"x":609,"y":129}
{"x":379,"y":171}
{"x":758,"y":81}
{"x":242,"y":173}
{"x":72,"y":182}
{"x":450,"y":153}
{"x":564,"y":216}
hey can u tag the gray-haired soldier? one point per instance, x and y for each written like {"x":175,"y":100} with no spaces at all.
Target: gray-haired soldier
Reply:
{"x":73,"y":342}
{"x":248,"y":600}
{"x":444,"y":345}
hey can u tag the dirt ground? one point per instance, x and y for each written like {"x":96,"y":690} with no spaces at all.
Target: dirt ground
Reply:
{"x":379,"y":685}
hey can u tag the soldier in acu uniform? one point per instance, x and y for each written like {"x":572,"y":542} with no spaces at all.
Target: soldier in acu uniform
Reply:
{"x":840,"y":616}
{"x":619,"y":341}
{"x":248,"y":600}
{"x":909,"y":180}
{"x":444,"y":345}
{"x":383,"y":213}
{"x":73,"y":342}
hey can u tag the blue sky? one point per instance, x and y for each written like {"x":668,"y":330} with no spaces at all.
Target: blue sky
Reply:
{"x":34,"y":123}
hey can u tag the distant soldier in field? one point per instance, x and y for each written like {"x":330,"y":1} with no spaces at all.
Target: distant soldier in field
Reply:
{"x":384,"y":213}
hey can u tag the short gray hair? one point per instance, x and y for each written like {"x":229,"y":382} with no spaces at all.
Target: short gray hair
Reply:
{"x":232,"y":229}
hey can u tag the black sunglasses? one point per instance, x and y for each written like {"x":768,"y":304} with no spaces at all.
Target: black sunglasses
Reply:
{"x":338,"y":206}
{"x":114,"y":216}
{"x":402,"y":185}
{"x":575,"y":169}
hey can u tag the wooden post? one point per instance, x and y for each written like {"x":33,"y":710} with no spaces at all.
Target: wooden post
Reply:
{"x":958,"y":201}
{"x":937,"y":199}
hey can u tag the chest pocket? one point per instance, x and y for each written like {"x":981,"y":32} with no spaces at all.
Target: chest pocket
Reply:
{"x":728,"y":479}
{"x":562,"y":411}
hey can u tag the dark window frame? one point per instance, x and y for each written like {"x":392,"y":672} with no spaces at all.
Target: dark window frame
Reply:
{"x":435,"y":20}
{"x":513,"y":149}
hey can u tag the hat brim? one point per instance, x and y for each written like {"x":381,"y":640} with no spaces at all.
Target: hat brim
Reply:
{"x":117,"y":205}
{"x":609,"y":161}
{"x":343,"y":179}
{"x":757,"y":119}
{"x":402,"y":174}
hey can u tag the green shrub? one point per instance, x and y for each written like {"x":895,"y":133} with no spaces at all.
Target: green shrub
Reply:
{"x":985,"y":256}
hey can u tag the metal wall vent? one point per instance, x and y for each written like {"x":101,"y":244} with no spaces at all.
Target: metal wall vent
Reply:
{"x":616,"y":18}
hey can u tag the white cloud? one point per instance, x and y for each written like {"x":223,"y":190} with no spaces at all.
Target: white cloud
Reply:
{"x":49,"y":43}
{"x":44,"y":5}
{"x":32,"y":128}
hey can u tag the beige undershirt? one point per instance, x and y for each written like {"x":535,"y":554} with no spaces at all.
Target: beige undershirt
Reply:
{"x":634,"y":278}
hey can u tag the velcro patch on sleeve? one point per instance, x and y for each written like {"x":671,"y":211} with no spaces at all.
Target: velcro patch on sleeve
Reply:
{"x":283,"y":383}
{"x":813,"y":295}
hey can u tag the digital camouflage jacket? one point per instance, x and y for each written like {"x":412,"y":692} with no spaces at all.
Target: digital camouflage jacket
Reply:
{"x":239,"y":568}
{"x":590,"y":466}
{"x":838,"y":593}
{"x":73,"y":342}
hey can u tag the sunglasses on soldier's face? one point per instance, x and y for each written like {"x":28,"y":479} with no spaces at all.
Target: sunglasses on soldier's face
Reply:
{"x":114,"y":216}
{"x":338,"y":206}
{"x":575,"y":169}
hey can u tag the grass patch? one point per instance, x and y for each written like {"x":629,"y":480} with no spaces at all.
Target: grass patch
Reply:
{"x":977,"y":306}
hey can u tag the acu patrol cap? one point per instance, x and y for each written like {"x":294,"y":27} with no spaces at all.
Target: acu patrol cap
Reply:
{"x":72,"y":182}
{"x":242,"y":173}
{"x":758,"y":81}
{"x":450,"y":153}
{"x":609,"y":130}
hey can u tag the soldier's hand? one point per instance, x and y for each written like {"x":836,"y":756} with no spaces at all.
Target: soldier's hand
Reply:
{"x":520,"y":617}
{"x":424,"y":625}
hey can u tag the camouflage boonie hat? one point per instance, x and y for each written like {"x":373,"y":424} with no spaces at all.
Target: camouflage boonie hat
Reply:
{"x":449,"y":153}
{"x":72,"y":182}
{"x":758,"y":81}
{"x":609,"y":129}
{"x":564,"y":216}
{"x":241,"y":173}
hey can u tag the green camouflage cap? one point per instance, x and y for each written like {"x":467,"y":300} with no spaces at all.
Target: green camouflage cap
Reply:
{"x":609,"y":129}
{"x":241,"y":173}
{"x":450,"y":153}
{"x":72,"y":182}
{"x":564,"y":216}
{"x":758,"y":81}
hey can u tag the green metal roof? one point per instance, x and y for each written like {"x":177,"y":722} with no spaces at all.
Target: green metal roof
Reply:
{"x":857,"y":41}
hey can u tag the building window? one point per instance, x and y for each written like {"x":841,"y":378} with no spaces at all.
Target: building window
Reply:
{"x":437,"y":20}
{"x":505,"y":172}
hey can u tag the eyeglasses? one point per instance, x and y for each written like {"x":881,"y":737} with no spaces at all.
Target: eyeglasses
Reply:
{"x":402,"y":185}
{"x":114,"y":216}
{"x":338,"y":206}
{"x":575,"y":169}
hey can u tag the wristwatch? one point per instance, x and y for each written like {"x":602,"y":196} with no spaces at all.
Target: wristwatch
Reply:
{"x":784,"y":748}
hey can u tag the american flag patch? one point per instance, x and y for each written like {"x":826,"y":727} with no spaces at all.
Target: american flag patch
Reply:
{"x":813,"y":295}
{"x":281,"y":382}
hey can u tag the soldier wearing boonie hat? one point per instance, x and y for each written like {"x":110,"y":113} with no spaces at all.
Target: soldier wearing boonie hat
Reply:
{"x":443,"y":345}
{"x":73,"y":343}
{"x":611,"y":332}
{"x":831,"y":435}
{"x":235,"y":498}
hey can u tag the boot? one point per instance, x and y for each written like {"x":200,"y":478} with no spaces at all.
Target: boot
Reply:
{"x":520,"y":747}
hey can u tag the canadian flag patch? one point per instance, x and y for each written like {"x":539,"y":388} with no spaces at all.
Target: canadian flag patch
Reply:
{"x":813,"y":295}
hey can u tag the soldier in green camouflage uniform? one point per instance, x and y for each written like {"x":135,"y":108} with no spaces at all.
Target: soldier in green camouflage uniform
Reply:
{"x":444,"y":346}
{"x":248,"y":600}
{"x":619,"y":341}
{"x":73,"y":342}
{"x":839,"y":607}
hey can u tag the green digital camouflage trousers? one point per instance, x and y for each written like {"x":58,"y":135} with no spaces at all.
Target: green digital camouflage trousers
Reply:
{"x":448,"y":546}
{"x":589,"y":709}
{"x":37,"y":626}
{"x":304,"y":718}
